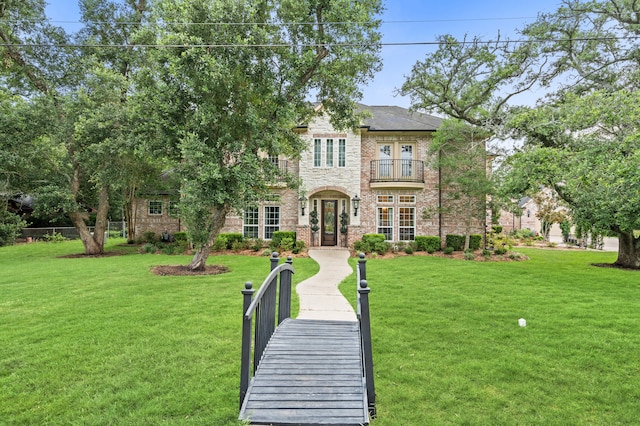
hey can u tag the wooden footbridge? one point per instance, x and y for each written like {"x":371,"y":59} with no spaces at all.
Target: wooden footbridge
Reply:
{"x":304,"y":372}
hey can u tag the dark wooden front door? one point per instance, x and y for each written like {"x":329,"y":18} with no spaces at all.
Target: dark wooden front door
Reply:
{"x":329,"y":222}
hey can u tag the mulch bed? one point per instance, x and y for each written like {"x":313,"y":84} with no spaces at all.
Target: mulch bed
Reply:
{"x":183,"y":270}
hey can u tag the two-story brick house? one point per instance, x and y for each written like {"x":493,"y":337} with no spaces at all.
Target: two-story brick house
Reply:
{"x":379,"y":175}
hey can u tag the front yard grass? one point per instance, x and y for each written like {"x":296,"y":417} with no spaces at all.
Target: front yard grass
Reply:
{"x":448,"y":349}
{"x":104,"y":341}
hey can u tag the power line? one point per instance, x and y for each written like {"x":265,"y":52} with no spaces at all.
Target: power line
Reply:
{"x":279,"y":45}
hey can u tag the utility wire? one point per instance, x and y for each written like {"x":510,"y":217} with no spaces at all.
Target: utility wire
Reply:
{"x":278,"y":45}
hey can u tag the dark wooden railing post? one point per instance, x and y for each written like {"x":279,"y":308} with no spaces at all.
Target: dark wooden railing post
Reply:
{"x":365,"y":330}
{"x":266,"y":315}
{"x":284,"y":300}
{"x":245,"y":364}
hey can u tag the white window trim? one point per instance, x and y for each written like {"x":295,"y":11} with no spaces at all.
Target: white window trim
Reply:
{"x":400,"y":227}
{"x":378,"y":226}
{"x":149,"y":207}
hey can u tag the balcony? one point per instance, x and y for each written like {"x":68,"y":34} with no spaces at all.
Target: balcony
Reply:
{"x":283,"y":168}
{"x":397,"y":174}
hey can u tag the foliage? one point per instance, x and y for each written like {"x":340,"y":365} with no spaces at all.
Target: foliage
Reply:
{"x":426,"y":243}
{"x":54,"y":237}
{"x":496,"y":229}
{"x":458,"y":150}
{"x":468,"y":254}
{"x":278,"y":236}
{"x":565,"y":228}
{"x":255,"y":95}
{"x":448,"y":250}
{"x":344,"y":221}
{"x":298,"y":247}
{"x":500,"y":251}
{"x":180,"y":236}
{"x":221,"y":242}
{"x":10,"y":226}
{"x":457,"y":242}
{"x":372,"y":243}
{"x":408,"y":249}
{"x":313,"y":220}
{"x":149,"y":248}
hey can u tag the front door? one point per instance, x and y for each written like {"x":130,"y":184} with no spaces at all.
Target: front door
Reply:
{"x":329,"y":222}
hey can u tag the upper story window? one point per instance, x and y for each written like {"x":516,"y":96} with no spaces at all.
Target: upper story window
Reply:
{"x":329,"y":153}
{"x":342,"y":152}
{"x":407,"y":199}
{"x":317,"y":153}
{"x":155,"y":207}
{"x":385,"y":199}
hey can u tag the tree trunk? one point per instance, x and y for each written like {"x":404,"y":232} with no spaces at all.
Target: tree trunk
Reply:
{"x":218,"y":217}
{"x":93,"y":244}
{"x":628,"y":250}
{"x":130,"y":213}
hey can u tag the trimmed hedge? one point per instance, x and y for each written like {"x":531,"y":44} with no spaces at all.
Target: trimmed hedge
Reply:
{"x":426,"y":243}
{"x":457,"y":241}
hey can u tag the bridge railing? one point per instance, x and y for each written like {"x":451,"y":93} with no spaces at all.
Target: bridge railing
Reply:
{"x":364,"y":320}
{"x":264,"y":307}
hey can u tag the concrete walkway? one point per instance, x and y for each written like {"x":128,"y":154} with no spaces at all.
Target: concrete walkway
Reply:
{"x":320,"y":298}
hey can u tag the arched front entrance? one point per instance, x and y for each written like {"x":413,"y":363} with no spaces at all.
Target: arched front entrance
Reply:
{"x":329,"y":205}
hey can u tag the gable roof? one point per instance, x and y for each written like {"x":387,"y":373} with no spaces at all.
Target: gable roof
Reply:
{"x":395,"y":118}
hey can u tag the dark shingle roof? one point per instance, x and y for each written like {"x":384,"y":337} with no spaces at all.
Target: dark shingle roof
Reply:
{"x":394,"y":118}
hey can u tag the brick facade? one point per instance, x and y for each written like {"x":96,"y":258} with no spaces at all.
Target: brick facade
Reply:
{"x":337,"y":166}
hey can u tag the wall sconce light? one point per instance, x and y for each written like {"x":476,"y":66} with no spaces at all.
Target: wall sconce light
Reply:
{"x":356,"y":204}
{"x":303,"y":203}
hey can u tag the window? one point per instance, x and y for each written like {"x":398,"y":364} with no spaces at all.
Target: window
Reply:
{"x":155,"y":207}
{"x":384,"y":154}
{"x":271,"y":221}
{"x":173,"y":208}
{"x":406,"y":157}
{"x":342,"y":152}
{"x":385,"y":222}
{"x":407,"y":199}
{"x":407,"y":223}
{"x":250,"y":223}
{"x":385,"y":199}
{"x":317,"y":153}
{"x":329,"y":153}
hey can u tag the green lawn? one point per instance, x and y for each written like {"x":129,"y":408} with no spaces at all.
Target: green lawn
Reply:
{"x":104,"y":341}
{"x":448,"y":348}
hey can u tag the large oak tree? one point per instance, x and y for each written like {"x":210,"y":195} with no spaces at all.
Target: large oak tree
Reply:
{"x":232,"y":79}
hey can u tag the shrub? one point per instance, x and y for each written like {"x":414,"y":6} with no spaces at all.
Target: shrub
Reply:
{"x":278,"y":236}
{"x":408,"y":250}
{"x":430,"y":250}
{"x":524,"y":233}
{"x":475,"y":240}
{"x":169,"y":249}
{"x":486,"y":253}
{"x":372,"y":243}
{"x":456,"y":242}
{"x":54,"y":237}
{"x":238,"y":245}
{"x":10,"y":227}
{"x":448,"y":250}
{"x":424,"y":243}
{"x":266,"y":252}
{"x":468,"y":254}
{"x":149,"y":248}
{"x":500,"y":250}
{"x":256,"y":244}
{"x":286,"y":244}
{"x":220,"y":243}
{"x":180,"y":236}
{"x":496,"y":229}
{"x":149,"y":237}
{"x":299,"y":246}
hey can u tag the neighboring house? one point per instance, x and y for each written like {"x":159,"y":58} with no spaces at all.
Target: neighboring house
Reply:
{"x":379,"y":175}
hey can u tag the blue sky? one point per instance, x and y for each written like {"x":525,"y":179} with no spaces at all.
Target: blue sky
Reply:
{"x":411,"y":21}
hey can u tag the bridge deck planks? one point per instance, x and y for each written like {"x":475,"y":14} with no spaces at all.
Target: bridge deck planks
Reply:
{"x":310,"y":374}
